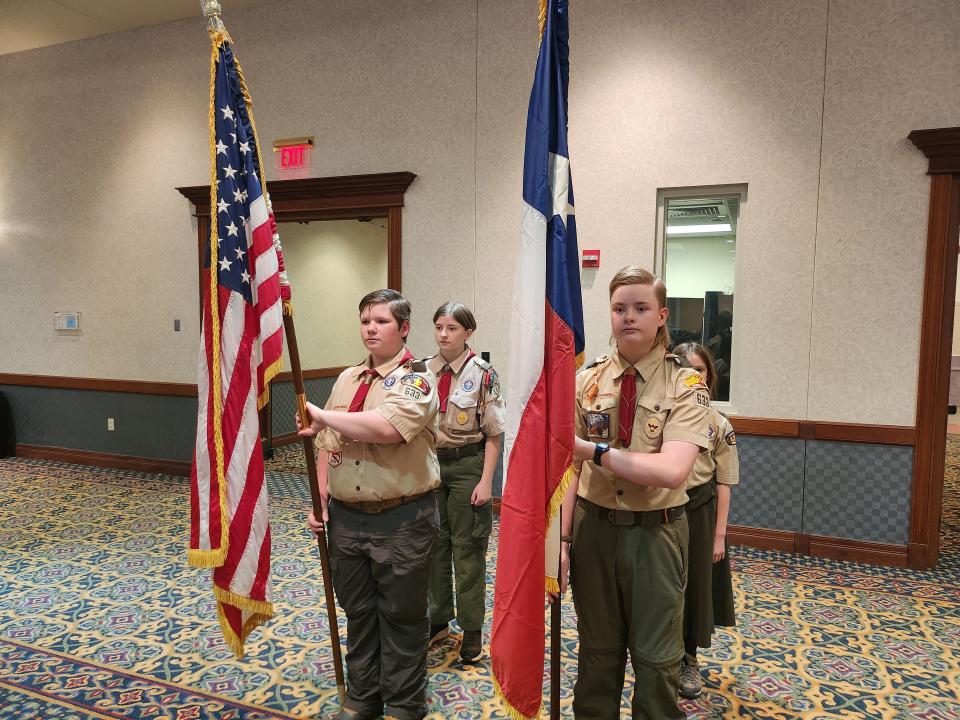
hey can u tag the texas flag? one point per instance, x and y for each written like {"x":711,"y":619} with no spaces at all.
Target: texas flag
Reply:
{"x":546,"y":348}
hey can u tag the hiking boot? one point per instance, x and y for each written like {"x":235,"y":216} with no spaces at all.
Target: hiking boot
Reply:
{"x":439,"y":632}
{"x":471,"y":649}
{"x":691,"y":684}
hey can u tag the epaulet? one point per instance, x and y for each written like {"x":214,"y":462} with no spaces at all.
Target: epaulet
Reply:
{"x":721,"y":412}
{"x":595,"y":362}
{"x":418,"y":366}
{"x":481,"y":363}
{"x":681,"y":361}
{"x":428,"y":358}
{"x":362,"y":362}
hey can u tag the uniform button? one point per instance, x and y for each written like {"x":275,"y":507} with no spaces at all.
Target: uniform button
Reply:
{"x":358,"y":462}
{"x":657,"y":408}
{"x":619,"y":492}
{"x":598,"y":407}
{"x":358,"y":488}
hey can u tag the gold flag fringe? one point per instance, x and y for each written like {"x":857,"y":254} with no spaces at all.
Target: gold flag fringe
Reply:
{"x":511,"y":711}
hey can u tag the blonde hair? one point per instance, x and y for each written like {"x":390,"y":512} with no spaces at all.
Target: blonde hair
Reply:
{"x":635,"y":275}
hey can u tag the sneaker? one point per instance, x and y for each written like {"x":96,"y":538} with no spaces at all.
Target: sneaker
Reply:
{"x":439,"y":632}
{"x":691,"y":684}
{"x":471,"y":649}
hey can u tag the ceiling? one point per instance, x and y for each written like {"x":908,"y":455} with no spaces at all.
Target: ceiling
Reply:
{"x":28,"y":24}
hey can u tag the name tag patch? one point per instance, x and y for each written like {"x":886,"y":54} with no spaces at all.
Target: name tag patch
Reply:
{"x":598,"y":426}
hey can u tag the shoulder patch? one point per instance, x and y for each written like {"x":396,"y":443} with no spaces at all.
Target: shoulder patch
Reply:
{"x":418,"y":382}
{"x":418,"y":366}
{"x":491,"y":382}
{"x":695,"y":382}
{"x":731,"y":438}
{"x":703,"y":400}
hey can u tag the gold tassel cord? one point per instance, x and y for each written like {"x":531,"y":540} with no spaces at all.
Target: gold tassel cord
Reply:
{"x":542,"y":17}
{"x":511,"y":711}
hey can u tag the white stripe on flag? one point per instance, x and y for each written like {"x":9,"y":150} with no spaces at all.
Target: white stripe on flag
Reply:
{"x":258,"y":213}
{"x":248,"y":433}
{"x":231,"y":332}
{"x":527,"y":332}
{"x":201,"y":451}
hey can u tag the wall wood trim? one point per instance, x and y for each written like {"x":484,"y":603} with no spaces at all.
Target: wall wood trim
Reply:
{"x":101,"y":459}
{"x":819,"y":546}
{"x":761,"y":538}
{"x":819,"y":430}
{"x":941,"y":146}
{"x":287,"y":376}
{"x":140,"y":387}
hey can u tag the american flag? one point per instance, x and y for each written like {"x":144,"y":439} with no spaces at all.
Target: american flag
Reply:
{"x":240,"y":351}
{"x":546,"y":347}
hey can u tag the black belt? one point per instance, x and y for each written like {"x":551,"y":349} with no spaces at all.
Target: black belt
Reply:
{"x":462,"y":451}
{"x":628,"y":518}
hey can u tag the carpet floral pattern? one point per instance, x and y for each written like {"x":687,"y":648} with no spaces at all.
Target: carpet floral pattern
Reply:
{"x":100,"y":617}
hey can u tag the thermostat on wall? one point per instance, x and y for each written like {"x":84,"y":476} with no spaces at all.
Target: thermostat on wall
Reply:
{"x":66,"y":321}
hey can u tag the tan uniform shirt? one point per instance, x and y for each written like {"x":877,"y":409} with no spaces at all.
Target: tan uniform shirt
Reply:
{"x":383,"y":471}
{"x":722,"y":460}
{"x":672,"y":404}
{"x":475,"y":407}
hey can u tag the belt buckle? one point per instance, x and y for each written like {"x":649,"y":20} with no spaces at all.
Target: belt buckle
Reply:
{"x":376,"y":506}
{"x":621,"y":518}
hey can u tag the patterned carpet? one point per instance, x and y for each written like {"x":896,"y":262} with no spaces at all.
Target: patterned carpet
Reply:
{"x":100,"y":617}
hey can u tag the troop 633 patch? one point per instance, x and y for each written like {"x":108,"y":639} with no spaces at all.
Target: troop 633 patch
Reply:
{"x":416,"y":386}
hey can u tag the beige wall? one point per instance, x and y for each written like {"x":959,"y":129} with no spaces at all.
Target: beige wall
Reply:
{"x":331,"y":265}
{"x":810,"y":112}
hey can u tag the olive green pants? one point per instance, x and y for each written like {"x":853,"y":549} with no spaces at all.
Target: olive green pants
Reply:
{"x":462,"y":543}
{"x":628,"y":585}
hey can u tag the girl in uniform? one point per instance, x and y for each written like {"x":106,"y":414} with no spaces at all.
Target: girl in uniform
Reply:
{"x":642,"y":419}
{"x":471,"y":420}
{"x":709,"y":595}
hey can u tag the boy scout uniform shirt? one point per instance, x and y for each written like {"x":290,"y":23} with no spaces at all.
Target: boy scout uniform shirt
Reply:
{"x":672,"y":404}
{"x":475,"y":407}
{"x":407,"y":398}
{"x":721,"y":460}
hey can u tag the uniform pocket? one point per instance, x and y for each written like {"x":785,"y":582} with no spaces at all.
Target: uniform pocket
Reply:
{"x":482,"y":521}
{"x":462,"y":414}
{"x":600,"y":417}
{"x":651,"y":417}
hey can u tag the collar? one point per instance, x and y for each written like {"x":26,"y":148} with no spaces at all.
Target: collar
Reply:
{"x":437,"y":362}
{"x":645,"y":367}
{"x":392,"y":364}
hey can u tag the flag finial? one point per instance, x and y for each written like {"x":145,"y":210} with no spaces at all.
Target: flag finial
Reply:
{"x":211,"y":11}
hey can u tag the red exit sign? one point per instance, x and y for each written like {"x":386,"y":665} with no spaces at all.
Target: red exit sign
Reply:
{"x":293,"y":154}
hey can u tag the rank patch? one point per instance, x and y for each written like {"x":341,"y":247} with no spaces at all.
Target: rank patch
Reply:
{"x":731,"y":438}
{"x":462,"y":418}
{"x":335,"y":459}
{"x":653,"y":427}
{"x":598,"y":426}
{"x":418,"y":382}
{"x":390,"y":381}
{"x":467,"y":385}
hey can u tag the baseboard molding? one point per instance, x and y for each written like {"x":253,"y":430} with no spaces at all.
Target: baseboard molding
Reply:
{"x":762,"y":538}
{"x":285,"y":439}
{"x":819,"y":546}
{"x":101,"y":459}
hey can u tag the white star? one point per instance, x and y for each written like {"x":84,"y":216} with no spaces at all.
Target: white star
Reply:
{"x":244,"y":220}
{"x":225,"y":264}
{"x":227,"y":112}
{"x":559,"y":182}
{"x":232,"y":229}
{"x":245,"y":147}
{"x":221,"y":148}
{"x":240,"y":253}
{"x":245,"y":276}
{"x":237,"y":196}
{"x":219,"y":240}
{"x":229,"y":172}
{"x":243,"y":195}
{"x":222,"y":205}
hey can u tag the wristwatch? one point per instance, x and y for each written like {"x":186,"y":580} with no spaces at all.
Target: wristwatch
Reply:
{"x":599,"y":451}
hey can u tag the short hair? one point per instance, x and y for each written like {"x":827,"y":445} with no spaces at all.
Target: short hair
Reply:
{"x":459,"y":312}
{"x":684,"y":349}
{"x":399,"y":306}
{"x":636,"y":275}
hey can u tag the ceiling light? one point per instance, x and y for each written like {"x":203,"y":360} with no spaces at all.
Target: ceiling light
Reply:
{"x":692,"y":229}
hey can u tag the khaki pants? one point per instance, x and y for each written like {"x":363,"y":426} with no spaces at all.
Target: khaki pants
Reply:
{"x":380,"y":565}
{"x":463,"y":537}
{"x":628,"y":585}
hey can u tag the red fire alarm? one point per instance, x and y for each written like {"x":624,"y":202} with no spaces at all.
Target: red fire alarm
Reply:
{"x":591,"y":258}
